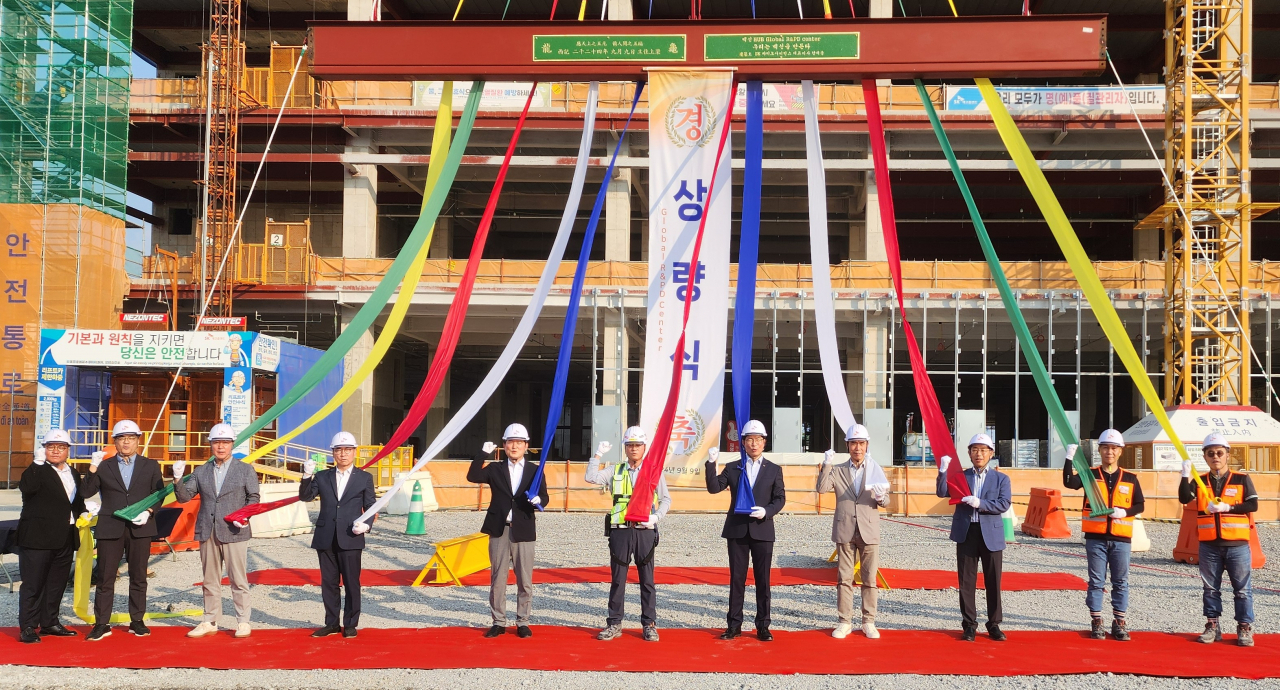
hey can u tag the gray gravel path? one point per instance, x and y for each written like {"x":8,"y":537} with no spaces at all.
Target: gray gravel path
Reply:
{"x":1164,"y":596}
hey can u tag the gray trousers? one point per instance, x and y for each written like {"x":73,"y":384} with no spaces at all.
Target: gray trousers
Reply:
{"x":214,"y":556}
{"x":504,"y":556}
{"x":625,"y":544}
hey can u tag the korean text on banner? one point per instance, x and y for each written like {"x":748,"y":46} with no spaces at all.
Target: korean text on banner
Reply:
{"x":685,"y":112}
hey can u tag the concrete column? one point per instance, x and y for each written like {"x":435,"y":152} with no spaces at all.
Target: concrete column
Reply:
{"x":442,"y":239}
{"x":874,"y":393}
{"x":360,"y":203}
{"x":872,"y":239}
{"x":357,"y":411}
{"x":617,"y":210}
{"x":1146,"y":245}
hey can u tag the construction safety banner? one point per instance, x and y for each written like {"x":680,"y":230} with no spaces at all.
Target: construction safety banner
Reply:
{"x":686,"y":115}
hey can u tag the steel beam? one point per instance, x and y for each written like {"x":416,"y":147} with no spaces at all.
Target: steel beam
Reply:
{"x":924,"y":47}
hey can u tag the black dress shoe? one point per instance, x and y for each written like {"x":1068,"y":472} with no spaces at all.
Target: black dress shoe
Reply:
{"x":523,"y":631}
{"x":970,"y":633}
{"x":327,"y":631}
{"x":348,"y":632}
{"x":764,"y":635}
{"x":993,"y":629}
{"x":139,"y":629}
{"x":99,"y":631}
{"x":731,"y":632}
{"x":495,"y":630}
{"x":57,"y":630}
{"x":29,"y":636}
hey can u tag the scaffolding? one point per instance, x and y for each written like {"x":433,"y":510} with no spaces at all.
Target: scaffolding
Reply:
{"x":224,"y":64}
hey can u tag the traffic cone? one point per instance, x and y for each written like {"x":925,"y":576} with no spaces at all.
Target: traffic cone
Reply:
{"x":1009,"y":519}
{"x":417,"y":522}
{"x":1140,"y":541}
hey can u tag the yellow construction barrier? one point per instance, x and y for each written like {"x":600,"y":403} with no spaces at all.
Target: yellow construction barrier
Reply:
{"x":84,"y":575}
{"x":857,"y":572}
{"x":457,"y":558}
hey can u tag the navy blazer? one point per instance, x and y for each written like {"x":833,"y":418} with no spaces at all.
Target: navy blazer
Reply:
{"x":997,"y":496}
{"x":338,"y":514}
{"x":768,"y":491}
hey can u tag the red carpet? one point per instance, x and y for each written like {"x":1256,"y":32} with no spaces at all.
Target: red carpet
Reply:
{"x":783,"y":577}
{"x":692,"y":650}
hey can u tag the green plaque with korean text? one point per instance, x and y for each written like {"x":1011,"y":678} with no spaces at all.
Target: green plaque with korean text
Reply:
{"x":807,"y":46}
{"x":609,"y":48}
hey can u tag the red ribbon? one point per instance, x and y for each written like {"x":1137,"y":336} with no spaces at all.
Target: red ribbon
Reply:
{"x":243,"y":515}
{"x":656,"y":455}
{"x":457,"y":310}
{"x":935,"y":425}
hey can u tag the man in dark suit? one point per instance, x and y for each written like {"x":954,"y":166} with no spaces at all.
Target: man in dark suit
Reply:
{"x":48,"y":538}
{"x":977,"y":529}
{"x":749,"y":536}
{"x":345,"y":493}
{"x":224,"y":486}
{"x":511,"y":526}
{"x":122,"y":480}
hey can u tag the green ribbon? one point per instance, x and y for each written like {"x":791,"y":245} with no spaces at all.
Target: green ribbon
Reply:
{"x":131,"y":512}
{"x":1029,"y":349}
{"x":378,"y":299}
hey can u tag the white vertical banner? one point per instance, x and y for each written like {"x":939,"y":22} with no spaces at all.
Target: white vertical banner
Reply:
{"x":686,"y":114}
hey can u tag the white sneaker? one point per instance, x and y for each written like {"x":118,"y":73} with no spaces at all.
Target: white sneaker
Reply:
{"x":842,"y":631}
{"x":204,"y":629}
{"x":869,"y":629}
{"x":243,"y":630}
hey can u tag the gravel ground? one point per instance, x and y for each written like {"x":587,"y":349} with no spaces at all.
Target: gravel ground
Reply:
{"x":1164,"y":596}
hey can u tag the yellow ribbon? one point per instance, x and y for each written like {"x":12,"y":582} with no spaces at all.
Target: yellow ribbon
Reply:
{"x":84,"y":575}
{"x":455,"y":12}
{"x":582,"y":10}
{"x":439,"y":144}
{"x":826,"y":8}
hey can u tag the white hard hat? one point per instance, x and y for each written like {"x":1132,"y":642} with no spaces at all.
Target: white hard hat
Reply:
{"x":222,"y":432}
{"x":343,"y":439}
{"x":517,"y":432}
{"x":56,"y":436}
{"x":754,"y":427}
{"x":1111,"y":436}
{"x":857,"y":432}
{"x":635,"y":434}
{"x":1215,"y":439}
{"x":125,"y":426}
{"x":982,"y":440}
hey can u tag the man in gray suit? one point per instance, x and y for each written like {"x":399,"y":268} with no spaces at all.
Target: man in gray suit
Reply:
{"x":978,"y":531}
{"x":224,"y":486}
{"x":861,"y":490}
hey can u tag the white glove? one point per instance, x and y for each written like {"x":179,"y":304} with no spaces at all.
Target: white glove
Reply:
{"x":1219,"y":507}
{"x":141,"y":519}
{"x":535,"y":501}
{"x":308,"y":468}
{"x":757,"y":512}
{"x":92,"y":507}
{"x":358,"y":527}
{"x":488,"y":448}
{"x":1186,"y":469}
{"x":96,"y":458}
{"x":239,"y":525}
{"x":39,"y":459}
{"x":1071,"y":451}
{"x":943,"y":463}
{"x":879,"y":493}
{"x":650,"y":523}
{"x":713,"y":454}
{"x":85,"y":516}
{"x":828,"y":456}
{"x":179,"y":468}
{"x":971,"y":501}
{"x":1118,"y":513}
{"x":603,"y":448}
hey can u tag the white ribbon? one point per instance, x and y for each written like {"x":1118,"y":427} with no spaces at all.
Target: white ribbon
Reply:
{"x":824,"y":312}
{"x":508,"y":357}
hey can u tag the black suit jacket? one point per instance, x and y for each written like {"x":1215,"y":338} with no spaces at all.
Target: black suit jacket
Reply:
{"x":108,"y":482}
{"x":768,"y":492}
{"x":338,"y":514}
{"x":45,"y":522}
{"x":503,"y":500}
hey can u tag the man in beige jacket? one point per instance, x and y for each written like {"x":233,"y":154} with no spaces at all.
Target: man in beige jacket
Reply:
{"x":861,"y":490}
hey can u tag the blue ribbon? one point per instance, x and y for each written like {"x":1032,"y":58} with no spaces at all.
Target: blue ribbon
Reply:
{"x":571,"y":313}
{"x":744,"y":305}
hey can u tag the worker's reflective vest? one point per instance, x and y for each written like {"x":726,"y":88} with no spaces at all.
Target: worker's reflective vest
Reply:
{"x":1121,"y":497}
{"x":1225,"y":526}
{"x":620,"y":487}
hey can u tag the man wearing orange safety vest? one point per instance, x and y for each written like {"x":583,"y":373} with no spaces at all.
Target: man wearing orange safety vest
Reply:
{"x":1107,"y":538}
{"x":1222,"y":523}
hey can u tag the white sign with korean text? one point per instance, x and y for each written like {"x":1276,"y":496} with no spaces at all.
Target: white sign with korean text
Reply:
{"x":154,"y":349}
{"x":687,"y":112}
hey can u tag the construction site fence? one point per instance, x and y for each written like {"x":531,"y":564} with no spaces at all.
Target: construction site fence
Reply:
{"x":912,"y":491}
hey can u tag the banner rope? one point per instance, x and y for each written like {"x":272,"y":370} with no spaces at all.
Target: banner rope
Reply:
{"x":656,"y":454}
